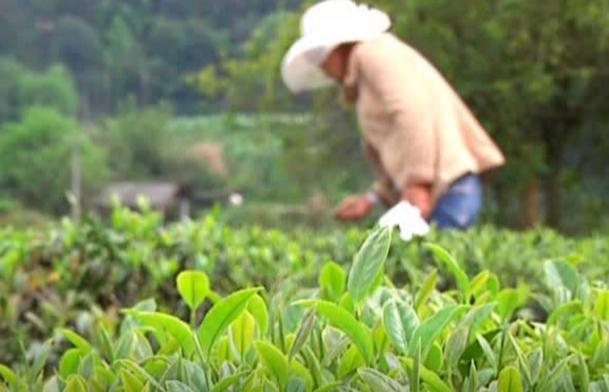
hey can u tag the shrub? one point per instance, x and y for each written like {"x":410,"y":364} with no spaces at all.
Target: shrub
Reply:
{"x":355,"y":331}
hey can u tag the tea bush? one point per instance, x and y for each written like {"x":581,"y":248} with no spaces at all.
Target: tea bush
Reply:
{"x":88,"y":278}
{"x":355,"y":331}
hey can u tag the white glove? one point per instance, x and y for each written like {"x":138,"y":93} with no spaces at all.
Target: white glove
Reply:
{"x":408,"y":218}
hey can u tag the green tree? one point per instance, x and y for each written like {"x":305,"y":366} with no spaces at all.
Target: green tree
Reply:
{"x":76,"y":44}
{"x":54,"y":88}
{"x":138,"y":141}
{"x":35,"y":156}
{"x":139,"y":48}
{"x":252,"y":81}
{"x":124,"y":58}
{"x":10,"y":74}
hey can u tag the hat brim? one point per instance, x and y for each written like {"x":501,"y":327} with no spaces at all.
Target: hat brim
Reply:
{"x":300,"y":74}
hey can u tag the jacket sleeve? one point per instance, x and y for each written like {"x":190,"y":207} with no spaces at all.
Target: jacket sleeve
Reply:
{"x":383,"y":186}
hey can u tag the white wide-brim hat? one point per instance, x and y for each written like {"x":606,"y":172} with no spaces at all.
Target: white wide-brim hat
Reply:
{"x":323,"y":27}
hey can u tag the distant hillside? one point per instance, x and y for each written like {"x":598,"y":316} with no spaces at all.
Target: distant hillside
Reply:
{"x":140,"y":48}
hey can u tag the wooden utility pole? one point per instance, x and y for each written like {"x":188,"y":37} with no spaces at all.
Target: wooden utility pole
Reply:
{"x":76,"y":184}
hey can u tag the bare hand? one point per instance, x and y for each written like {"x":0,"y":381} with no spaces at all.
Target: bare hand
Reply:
{"x":420,"y":196}
{"x":354,"y":208}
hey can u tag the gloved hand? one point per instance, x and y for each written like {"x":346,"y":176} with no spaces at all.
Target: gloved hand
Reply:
{"x":408,"y":218}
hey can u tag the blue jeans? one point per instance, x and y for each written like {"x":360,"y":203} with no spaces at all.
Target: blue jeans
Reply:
{"x":460,"y":206}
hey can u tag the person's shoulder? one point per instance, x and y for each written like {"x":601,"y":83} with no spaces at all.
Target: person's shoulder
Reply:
{"x":386,"y":43}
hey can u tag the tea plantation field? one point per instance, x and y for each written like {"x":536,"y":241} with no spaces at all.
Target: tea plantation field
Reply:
{"x":133,"y":304}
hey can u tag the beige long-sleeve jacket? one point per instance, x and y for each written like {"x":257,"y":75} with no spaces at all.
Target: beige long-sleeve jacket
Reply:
{"x":416,"y":129}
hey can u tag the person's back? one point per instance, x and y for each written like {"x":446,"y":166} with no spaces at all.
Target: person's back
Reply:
{"x":408,"y":112}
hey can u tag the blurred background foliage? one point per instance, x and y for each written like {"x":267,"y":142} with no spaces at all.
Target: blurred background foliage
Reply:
{"x":190,"y":91}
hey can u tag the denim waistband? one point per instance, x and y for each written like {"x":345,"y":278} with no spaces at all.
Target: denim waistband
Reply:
{"x":469,"y":182}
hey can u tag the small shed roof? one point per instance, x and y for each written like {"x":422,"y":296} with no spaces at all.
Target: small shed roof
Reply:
{"x":160,"y":194}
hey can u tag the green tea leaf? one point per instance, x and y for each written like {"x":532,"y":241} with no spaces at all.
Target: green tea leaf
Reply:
{"x":303,"y":372}
{"x":257,"y":308}
{"x":434,"y":359}
{"x":488,"y":351}
{"x":195,"y":375}
{"x":393,"y":326}
{"x":296,"y":384}
{"x":380,"y":339}
{"x":141,"y":348}
{"x":130,"y":382}
{"x":601,"y":306}
{"x":127,"y":340}
{"x":221,"y":316}
{"x":164,"y":323}
{"x":556,"y":372}
{"x":55,"y":385}
{"x":472,"y":379}
{"x":223,"y":349}
{"x":560,"y":274}
{"x":431,"y":379}
{"x":350,"y":361}
{"x":227,"y":382}
{"x":378,"y":381}
{"x":430,"y":329}
{"x":147,"y":305}
{"x":274,"y":361}
{"x":313,"y":369}
{"x":535,"y":364}
{"x":77,"y":340}
{"x":524,"y":368}
{"x":76,"y":383}
{"x":368,"y":263}
{"x":479,"y":284}
{"x":332,"y":281}
{"x":509,"y":380}
{"x":68,"y":364}
{"x":242,"y":333}
{"x":582,"y":368}
{"x":478,"y":315}
{"x":400,"y":322}
{"x":443,"y":256}
{"x":40,"y":360}
{"x":456,"y":344}
{"x":508,"y":301}
{"x":331,"y":387}
{"x":429,"y":285}
{"x":156,"y":366}
{"x":193,"y":286}
{"x":336,"y":346}
{"x":107,"y":348}
{"x":377,"y":282}
{"x":347,"y":303}
{"x":415,"y":371}
{"x":177,"y":386}
{"x":599,"y":386}
{"x":601,"y":354}
{"x":140,"y":373}
{"x":493,"y":285}
{"x":339,"y":318}
{"x":9,"y":376}
{"x":304,"y":331}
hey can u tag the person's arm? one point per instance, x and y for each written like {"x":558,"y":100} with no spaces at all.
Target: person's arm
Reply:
{"x":382,"y":191}
{"x":383,"y":188}
{"x":419,"y":195}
